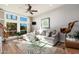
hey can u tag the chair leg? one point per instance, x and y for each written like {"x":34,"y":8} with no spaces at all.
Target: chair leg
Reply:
{"x":65,"y":48}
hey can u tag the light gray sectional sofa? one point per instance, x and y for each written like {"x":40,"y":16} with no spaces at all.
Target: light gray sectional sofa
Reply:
{"x":51,"y":36}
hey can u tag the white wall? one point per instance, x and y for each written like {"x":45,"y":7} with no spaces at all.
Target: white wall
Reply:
{"x":60,"y":17}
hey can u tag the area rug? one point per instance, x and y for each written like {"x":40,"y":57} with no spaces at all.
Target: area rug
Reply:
{"x":36,"y":50}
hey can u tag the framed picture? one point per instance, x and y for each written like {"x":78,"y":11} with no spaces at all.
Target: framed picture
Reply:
{"x":45,"y":23}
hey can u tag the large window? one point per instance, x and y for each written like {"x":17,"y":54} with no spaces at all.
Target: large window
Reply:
{"x":16,"y":23}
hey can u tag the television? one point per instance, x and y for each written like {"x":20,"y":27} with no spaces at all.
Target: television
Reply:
{"x":33,"y":23}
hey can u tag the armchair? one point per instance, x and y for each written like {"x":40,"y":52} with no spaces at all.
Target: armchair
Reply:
{"x":53,"y":39}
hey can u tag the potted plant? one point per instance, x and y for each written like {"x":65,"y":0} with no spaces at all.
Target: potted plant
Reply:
{"x":76,"y":35}
{"x":18,"y":34}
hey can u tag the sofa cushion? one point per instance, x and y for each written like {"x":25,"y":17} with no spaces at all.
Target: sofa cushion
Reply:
{"x":43,"y":33}
{"x":49,"y":33}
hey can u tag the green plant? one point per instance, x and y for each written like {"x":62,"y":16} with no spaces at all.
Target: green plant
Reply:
{"x":18,"y":33}
{"x":76,"y":35}
{"x":11,"y":26}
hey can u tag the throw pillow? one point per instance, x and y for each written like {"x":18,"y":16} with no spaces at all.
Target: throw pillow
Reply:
{"x":50,"y":34}
{"x":43,"y":33}
{"x":54,"y":32}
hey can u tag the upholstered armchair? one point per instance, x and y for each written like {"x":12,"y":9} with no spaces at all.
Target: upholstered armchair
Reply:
{"x":53,"y":38}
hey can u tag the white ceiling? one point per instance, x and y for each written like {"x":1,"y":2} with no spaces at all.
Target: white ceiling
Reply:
{"x":21,"y":8}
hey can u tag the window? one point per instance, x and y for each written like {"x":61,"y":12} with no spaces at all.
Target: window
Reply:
{"x":8,"y":16}
{"x":23,"y":25}
{"x":23,"y":28}
{"x":14,"y":17}
{"x":23,"y":19}
{"x":12,"y":28}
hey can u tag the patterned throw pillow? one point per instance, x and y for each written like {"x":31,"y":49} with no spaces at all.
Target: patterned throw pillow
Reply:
{"x":32,"y":37}
{"x":50,"y":34}
{"x":47,"y":33}
{"x":54,"y":32}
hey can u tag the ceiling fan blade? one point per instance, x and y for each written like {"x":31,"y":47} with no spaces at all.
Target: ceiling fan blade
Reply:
{"x":31,"y":13}
{"x":29,"y":7}
{"x":34,"y":10}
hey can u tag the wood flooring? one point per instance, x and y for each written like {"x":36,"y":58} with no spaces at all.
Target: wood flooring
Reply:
{"x":12,"y":48}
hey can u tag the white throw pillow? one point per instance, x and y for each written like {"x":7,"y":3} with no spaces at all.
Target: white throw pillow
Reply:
{"x":25,"y":37}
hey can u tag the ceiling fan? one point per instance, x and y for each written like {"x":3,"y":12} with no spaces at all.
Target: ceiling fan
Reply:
{"x":29,"y":9}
